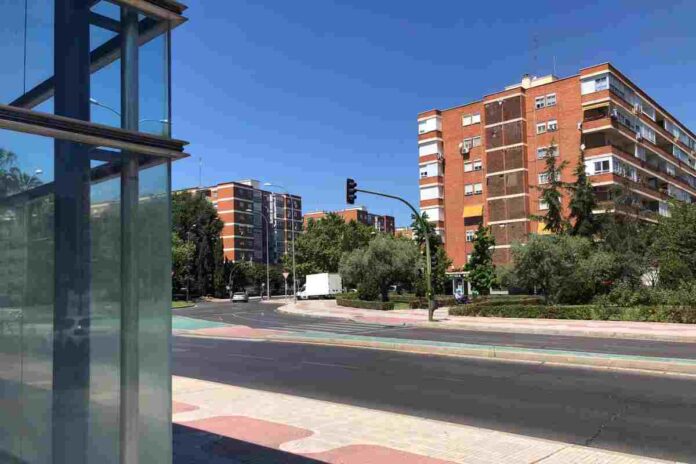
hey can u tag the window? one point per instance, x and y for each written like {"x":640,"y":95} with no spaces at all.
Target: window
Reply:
{"x":541,"y":128}
{"x":469,"y":119}
{"x":551,"y":99}
{"x":422,"y":127}
{"x":477,"y":165}
{"x":478,"y":189}
{"x":468,"y":189}
{"x":552,"y":125}
{"x":600,"y":167}
{"x":468,"y":167}
{"x":539,"y":102}
{"x":470,"y":143}
{"x":542,"y":152}
{"x":543,"y":205}
{"x":470,"y":235}
{"x":601,"y":83}
{"x":543,"y":178}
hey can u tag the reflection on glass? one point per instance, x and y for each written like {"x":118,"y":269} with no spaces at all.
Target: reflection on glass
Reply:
{"x":154,"y":86}
{"x":154,"y":255}
{"x":26,"y":297}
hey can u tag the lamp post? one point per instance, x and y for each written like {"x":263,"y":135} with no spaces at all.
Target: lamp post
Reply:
{"x":292,"y":228}
{"x":96,"y":102}
{"x":268,"y":237}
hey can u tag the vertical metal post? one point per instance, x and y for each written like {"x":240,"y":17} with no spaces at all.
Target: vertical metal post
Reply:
{"x":130,"y":327}
{"x":71,"y":324}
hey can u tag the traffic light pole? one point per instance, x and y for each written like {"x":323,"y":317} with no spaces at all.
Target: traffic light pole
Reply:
{"x":428,"y":263}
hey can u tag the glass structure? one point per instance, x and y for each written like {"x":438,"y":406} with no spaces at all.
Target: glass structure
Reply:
{"x":85,"y":265}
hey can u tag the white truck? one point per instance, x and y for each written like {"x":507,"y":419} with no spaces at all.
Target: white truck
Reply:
{"x":324,"y":285}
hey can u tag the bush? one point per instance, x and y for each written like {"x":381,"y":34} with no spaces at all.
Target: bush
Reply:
{"x":378,"y":305}
{"x":524,"y":311}
{"x":347,"y":296}
{"x":505,"y":300}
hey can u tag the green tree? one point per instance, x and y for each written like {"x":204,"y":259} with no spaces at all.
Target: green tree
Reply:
{"x":441,"y":261}
{"x":322,"y":244}
{"x":385,"y":261}
{"x":674,"y":246}
{"x":564,"y":268}
{"x":196,"y":220}
{"x":552,"y":193}
{"x":183,"y":253}
{"x":480,"y":267}
{"x":582,"y":203}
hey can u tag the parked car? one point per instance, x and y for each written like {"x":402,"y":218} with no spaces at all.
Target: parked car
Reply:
{"x":240,"y":296}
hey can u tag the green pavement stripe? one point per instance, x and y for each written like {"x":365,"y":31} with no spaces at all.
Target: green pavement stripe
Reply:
{"x":316,"y":335}
{"x":189,"y":323}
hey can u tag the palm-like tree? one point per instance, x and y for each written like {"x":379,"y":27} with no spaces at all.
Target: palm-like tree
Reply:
{"x":12,"y":179}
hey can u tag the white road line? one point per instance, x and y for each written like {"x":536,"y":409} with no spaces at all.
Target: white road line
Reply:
{"x":342,"y":366}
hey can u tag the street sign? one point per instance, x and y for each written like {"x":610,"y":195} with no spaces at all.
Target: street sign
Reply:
{"x":285,"y":275}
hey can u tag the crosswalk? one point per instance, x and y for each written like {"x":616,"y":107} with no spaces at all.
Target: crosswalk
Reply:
{"x":341,"y":327}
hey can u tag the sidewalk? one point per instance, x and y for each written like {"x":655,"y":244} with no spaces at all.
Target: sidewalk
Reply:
{"x":257,"y":422}
{"x":603,"y":329}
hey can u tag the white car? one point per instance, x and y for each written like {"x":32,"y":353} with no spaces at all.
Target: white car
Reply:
{"x":240,"y":296}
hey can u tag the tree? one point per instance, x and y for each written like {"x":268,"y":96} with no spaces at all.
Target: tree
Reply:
{"x":552,"y":193}
{"x":385,"y":261}
{"x":441,"y":261}
{"x":320,"y":247}
{"x":196,"y":220}
{"x":674,"y":246}
{"x":564,"y":268}
{"x":582,"y":203}
{"x":183,"y":253}
{"x":480,"y":266}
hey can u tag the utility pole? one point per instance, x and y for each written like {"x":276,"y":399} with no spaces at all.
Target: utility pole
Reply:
{"x":351,"y":189}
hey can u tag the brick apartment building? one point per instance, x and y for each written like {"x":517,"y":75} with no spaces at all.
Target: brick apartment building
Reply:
{"x":383,"y":223}
{"x":252,"y":216}
{"x":482,"y":161}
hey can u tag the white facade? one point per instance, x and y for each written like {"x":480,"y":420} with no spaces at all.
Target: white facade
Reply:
{"x":429,"y":124}
{"x":433,"y":169}
{"x":431,"y":192}
{"x":431,"y":147}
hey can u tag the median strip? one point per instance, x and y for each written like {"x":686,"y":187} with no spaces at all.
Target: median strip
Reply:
{"x":433,"y":347}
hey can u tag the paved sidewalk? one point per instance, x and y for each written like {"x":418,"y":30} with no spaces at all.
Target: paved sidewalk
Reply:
{"x":603,"y":329}
{"x":257,"y":422}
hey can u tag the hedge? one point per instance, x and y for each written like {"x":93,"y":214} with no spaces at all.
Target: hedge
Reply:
{"x":677,"y":314}
{"x":355,"y":303}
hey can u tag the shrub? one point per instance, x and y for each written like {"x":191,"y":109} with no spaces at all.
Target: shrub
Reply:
{"x":378,"y":305}
{"x":525,"y":311}
{"x":347,"y":296}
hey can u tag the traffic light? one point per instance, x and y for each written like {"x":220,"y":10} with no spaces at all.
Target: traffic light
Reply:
{"x":351,"y":191}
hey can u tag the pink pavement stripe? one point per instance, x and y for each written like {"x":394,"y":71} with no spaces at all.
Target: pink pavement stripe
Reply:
{"x":372,"y":454}
{"x":241,"y":331}
{"x":178,"y":407}
{"x":260,"y":432}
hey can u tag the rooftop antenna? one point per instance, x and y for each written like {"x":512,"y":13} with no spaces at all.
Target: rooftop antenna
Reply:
{"x":554,"y":65}
{"x":535,"y":52}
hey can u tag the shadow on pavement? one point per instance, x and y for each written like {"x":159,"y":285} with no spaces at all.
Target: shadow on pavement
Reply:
{"x":193,"y":446}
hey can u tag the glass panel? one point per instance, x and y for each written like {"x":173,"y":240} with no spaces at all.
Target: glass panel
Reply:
{"x":26,"y":297}
{"x":105,"y":223}
{"x":12,"y":50}
{"x":154,"y":255}
{"x":154,"y":86}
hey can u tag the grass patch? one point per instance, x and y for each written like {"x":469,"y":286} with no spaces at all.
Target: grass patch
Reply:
{"x":178,"y":304}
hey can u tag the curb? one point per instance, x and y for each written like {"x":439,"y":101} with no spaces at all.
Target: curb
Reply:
{"x":523,"y":330}
{"x":491,"y":352}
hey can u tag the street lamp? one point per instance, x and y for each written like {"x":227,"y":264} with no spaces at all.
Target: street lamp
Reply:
{"x":96,"y":102}
{"x":292,"y":228}
{"x":268,"y":237}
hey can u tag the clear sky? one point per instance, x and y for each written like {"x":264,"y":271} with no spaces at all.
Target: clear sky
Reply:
{"x":308,"y":93}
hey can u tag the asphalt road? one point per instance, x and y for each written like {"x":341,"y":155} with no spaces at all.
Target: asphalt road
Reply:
{"x":265,"y":315}
{"x":648,"y":415}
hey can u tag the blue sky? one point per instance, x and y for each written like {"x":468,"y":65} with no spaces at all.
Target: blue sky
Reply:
{"x":305,"y":94}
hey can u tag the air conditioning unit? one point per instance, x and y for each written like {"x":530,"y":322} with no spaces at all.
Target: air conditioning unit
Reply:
{"x":580,"y":125}
{"x":614,"y":114}
{"x":636,"y":108}
{"x":639,"y":136}
{"x":464,"y":150}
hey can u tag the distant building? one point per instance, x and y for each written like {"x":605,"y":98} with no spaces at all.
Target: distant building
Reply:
{"x":256,"y":221}
{"x":406,"y":232}
{"x":382,"y":223}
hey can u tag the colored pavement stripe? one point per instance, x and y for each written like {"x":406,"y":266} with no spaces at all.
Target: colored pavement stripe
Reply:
{"x":372,"y":454}
{"x":189,"y":323}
